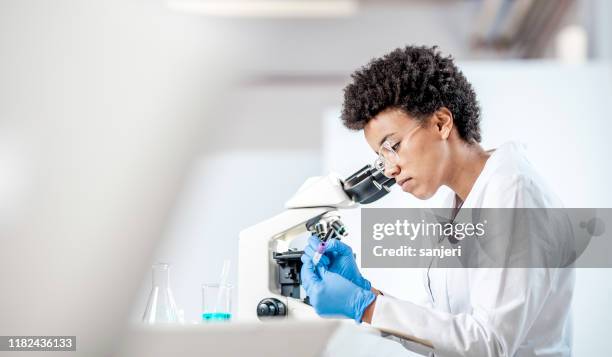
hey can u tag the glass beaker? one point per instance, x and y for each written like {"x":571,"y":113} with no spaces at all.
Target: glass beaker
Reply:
{"x":216,"y":302}
{"x":161,"y":307}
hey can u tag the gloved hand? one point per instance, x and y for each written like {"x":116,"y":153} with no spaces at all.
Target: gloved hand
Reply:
{"x":338,"y":258}
{"x":332,"y":295}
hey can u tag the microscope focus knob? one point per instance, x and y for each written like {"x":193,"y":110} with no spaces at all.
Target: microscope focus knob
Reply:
{"x":271,"y":307}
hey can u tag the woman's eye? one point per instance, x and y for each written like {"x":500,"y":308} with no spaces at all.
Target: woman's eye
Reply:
{"x":396,"y":146}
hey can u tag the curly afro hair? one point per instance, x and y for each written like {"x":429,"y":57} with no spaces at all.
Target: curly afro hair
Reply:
{"x":417,"y":80}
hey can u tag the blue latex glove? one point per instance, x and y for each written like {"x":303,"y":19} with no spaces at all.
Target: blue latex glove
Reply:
{"x":332,"y":295}
{"x":338,"y":258}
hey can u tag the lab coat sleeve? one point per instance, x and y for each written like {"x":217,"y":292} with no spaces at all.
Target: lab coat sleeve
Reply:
{"x":496,"y":326}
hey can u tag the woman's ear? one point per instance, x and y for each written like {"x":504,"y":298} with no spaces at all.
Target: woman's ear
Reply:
{"x":443,"y":119}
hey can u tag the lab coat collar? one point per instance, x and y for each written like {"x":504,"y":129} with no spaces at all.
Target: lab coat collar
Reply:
{"x":508,"y":150}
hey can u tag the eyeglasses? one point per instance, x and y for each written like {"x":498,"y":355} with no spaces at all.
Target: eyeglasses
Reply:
{"x":387,"y":154}
{"x":387,"y":157}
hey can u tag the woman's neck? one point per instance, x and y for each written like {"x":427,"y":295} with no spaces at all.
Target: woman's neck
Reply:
{"x":467,"y":163}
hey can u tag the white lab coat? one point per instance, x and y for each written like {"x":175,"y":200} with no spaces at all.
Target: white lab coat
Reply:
{"x":491,"y":311}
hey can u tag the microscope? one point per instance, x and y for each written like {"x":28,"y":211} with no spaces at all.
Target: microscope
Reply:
{"x":269,"y":269}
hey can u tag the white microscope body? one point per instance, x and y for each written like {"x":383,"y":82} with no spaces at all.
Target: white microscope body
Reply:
{"x":269,"y":270}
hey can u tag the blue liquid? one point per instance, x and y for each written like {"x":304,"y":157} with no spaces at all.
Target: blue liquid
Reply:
{"x":216,"y":316}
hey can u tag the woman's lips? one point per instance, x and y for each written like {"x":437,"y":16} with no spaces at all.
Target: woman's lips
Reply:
{"x":403,"y":183}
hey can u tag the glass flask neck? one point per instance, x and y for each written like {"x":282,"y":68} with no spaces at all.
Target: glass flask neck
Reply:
{"x":161,"y":275}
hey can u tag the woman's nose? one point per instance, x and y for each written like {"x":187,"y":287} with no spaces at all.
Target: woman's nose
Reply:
{"x":391,"y":171}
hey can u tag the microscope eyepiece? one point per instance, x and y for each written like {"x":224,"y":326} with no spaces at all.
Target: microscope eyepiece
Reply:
{"x":367,"y":185}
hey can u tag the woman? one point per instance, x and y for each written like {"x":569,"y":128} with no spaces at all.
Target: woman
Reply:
{"x":420,"y":115}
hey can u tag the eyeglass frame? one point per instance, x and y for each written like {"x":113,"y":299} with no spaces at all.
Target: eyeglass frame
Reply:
{"x":379,"y":163}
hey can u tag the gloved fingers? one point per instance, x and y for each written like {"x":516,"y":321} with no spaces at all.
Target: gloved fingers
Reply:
{"x":309,"y":254}
{"x":324,"y":261}
{"x":305,"y":257}
{"x":313,"y":241}
{"x":308,"y":274}
{"x":309,"y":251}
{"x":333,"y":251}
{"x":335,"y":245}
{"x":322,"y":268}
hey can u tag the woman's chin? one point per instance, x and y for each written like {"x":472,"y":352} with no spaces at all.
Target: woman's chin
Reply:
{"x":420,"y":193}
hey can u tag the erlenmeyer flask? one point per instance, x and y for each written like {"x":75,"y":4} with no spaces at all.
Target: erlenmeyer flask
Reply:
{"x":161,"y":307}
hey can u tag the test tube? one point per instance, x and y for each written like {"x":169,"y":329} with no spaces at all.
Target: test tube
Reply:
{"x":319,"y":253}
{"x":321,"y":248}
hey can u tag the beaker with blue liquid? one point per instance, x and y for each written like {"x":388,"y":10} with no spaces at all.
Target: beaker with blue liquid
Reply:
{"x":216,"y":302}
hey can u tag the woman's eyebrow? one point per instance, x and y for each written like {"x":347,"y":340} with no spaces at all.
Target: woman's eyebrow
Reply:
{"x":382,"y":141}
{"x":385,"y":138}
